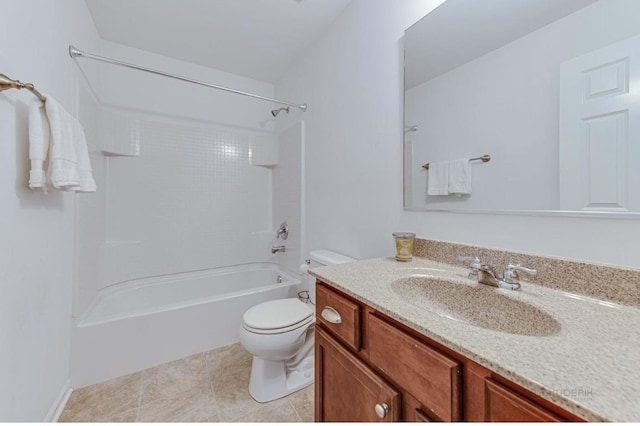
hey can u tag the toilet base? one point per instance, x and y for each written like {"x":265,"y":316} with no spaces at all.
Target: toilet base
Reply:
{"x":270,"y":379}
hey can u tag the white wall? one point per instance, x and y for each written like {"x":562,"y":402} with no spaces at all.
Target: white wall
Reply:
{"x":36,"y":230}
{"x":352,"y":80}
{"x":506,"y":103}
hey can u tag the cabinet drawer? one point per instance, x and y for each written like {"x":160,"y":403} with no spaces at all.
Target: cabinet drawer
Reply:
{"x":433,"y":378}
{"x":339,"y":315}
{"x":505,"y":405}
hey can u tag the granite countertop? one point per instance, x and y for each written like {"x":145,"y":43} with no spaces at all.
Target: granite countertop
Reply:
{"x":586,"y":359}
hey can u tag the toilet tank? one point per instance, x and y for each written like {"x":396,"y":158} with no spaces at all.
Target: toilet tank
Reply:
{"x":322,"y":258}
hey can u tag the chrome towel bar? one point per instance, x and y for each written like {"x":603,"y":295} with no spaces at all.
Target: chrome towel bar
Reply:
{"x":485,"y":159}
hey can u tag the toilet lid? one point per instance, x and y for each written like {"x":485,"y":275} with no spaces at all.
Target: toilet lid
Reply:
{"x":276,"y":314}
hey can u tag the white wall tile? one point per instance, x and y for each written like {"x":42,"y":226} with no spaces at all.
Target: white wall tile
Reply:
{"x":191,"y":200}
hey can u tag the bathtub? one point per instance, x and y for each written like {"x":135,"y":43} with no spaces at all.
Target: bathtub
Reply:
{"x":135,"y":325}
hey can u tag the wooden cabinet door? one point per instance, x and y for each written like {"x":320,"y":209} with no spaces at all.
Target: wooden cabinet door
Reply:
{"x":505,"y":405}
{"x":347,"y":390}
{"x":432,"y":377}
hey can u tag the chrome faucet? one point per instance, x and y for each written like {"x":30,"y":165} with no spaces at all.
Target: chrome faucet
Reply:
{"x":276,"y":249}
{"x":510,"y":278}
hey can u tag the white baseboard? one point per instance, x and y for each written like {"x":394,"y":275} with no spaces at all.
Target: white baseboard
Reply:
{"x":58,"y":405}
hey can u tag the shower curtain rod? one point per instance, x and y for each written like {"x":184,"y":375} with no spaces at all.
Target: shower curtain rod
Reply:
{"x":74,"y":52}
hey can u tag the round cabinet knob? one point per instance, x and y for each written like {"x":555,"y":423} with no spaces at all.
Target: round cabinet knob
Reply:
{"x":382,"y":410}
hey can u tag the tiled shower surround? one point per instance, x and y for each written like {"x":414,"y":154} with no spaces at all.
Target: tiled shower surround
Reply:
{"x":191,"y":200}
{"x":178,"y":196}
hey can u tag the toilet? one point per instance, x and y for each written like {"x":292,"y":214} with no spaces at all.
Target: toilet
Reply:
{"x":280,"y":336}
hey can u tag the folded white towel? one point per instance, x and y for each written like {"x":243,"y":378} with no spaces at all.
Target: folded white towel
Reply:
{"x":69,"y":164}
{"x":39,"y":139}
{"x":460,"y":176}
{"x":438,"y":183}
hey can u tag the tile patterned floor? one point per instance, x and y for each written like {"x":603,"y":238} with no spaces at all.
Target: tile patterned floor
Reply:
{"x":206,"y":387}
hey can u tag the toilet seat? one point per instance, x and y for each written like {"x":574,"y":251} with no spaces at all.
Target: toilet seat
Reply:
{"x":277,"y":316}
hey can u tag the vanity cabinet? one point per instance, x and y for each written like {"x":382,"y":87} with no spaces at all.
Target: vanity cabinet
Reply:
{"x":371,"y":368}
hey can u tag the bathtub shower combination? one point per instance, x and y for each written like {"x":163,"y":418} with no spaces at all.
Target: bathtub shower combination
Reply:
{"x":174,"y":246}
{"x":176,"y":268}
{"x":138,"y":324}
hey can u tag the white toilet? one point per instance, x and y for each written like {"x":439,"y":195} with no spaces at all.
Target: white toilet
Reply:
{"x":279,"y":334}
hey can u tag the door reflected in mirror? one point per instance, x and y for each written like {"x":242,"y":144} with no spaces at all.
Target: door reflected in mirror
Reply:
{"x":549,"y":89}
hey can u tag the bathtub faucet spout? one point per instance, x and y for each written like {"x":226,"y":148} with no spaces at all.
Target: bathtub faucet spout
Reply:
{"x":276,"y":249}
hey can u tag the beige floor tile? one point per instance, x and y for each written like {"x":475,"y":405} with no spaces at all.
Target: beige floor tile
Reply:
{"x":304,"y":403}
{"x":104,"y":400}
{"x":186,"y":407}
{"x":229,"y":359}
{"x":232,"y":395}
{"x":279,"y":411}
{"x":207,"y":387}
{"x":184,"y":376}
{"x":125,"y":417}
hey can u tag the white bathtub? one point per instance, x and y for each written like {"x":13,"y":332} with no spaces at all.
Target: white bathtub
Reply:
{"x":142,"y":323}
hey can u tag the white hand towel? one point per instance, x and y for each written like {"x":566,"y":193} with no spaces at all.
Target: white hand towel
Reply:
{"x":39,"y":140}
{"x":438,"y":178}
{"x":460,"y":176}
{"x":69,"y":165}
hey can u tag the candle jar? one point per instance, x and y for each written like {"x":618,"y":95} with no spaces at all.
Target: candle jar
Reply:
{"x":404,"y":246}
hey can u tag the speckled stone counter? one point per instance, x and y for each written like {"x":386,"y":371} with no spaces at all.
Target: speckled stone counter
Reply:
{"x":581,"y":353}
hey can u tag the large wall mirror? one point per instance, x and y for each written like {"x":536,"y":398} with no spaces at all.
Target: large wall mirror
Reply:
{"x":549,"y":89}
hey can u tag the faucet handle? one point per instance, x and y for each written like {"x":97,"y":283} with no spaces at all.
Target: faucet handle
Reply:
{"x":283,"y":231}
{"x":511,"y":273}
{"x":474,"y":260}
{"x":475,"y":265}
